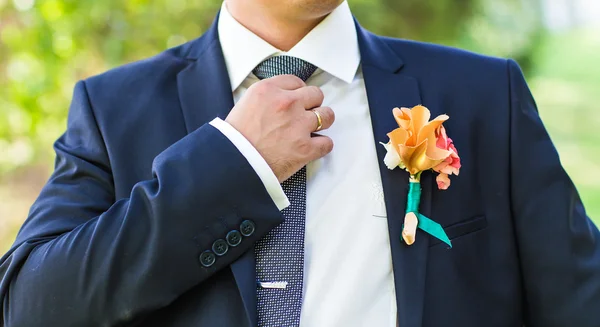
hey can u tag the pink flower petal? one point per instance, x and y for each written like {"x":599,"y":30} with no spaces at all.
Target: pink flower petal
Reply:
{"x":443,"y":181}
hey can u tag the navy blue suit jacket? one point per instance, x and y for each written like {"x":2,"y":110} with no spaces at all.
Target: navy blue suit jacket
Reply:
{"x":143,"y":185}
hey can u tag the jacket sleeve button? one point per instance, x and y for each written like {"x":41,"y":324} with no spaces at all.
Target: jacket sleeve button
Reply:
{"x":247,"y":227}
{"x":220,"y":247}
{"x":234,"y":238}
{"x":207,"y":258}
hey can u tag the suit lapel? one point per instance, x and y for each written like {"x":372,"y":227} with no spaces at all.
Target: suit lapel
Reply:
{"x":204,"y":87}
{"x":205,"y":93}
{"x":387,"y":87}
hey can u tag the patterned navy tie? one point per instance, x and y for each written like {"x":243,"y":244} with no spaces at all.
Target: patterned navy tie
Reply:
{"x":280,"y":253}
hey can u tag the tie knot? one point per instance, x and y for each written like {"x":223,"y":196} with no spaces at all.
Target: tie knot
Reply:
{"x":282,"y":65}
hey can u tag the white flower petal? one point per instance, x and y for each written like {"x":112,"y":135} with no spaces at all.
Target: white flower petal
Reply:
{"x":391,"y":159}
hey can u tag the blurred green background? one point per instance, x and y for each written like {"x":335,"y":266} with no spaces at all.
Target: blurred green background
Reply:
{"x":47,"y":45}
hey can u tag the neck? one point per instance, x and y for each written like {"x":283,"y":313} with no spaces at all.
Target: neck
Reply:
{"x":278,"y":30}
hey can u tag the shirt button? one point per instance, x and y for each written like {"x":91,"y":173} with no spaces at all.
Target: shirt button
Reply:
{"x":207,"y":258}
{"x":220,"y":247}
{"x":234,"y":238}
{"x":247,"y":227}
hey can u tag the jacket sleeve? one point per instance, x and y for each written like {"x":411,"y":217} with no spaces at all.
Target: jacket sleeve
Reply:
{"x":84,"y":259}
{"x":559,"y":246}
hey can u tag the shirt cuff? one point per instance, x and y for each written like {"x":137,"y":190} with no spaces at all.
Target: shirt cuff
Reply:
{"x":257,"y":162}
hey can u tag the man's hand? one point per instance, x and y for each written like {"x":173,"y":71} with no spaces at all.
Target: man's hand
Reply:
{"x":274,"y":115}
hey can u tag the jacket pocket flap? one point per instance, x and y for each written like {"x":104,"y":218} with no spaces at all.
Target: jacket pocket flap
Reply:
{"x":463,"y":228}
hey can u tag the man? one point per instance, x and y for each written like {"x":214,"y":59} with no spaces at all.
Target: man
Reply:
{"x":166,"y":208}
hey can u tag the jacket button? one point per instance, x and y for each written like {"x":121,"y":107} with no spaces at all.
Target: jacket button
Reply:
{"x":220,"y":247}
{"x":234,"y":238}
{"x":207,"y":258}
{"x":247,"y":227}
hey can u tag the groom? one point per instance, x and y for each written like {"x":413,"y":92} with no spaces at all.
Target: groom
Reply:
{"x":212,"y":185}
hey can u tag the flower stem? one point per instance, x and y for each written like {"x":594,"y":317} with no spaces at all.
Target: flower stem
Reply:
{"x":414,"y":197}
{"x":416,"y":178}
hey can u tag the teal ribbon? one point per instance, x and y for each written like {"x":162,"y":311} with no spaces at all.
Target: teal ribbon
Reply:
{"x":427,"y":225}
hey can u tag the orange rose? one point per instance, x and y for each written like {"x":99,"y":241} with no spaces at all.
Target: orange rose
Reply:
{"x":415,"y":141}
{"x":418,"y":145}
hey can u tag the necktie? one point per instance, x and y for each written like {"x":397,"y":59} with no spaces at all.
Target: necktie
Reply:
{"x":280,"y":253}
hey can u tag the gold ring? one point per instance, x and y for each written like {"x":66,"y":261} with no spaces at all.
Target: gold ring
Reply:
{"x":319,"y":120}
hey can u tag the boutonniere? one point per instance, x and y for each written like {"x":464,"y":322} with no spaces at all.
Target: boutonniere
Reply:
{"x":418,"y":145}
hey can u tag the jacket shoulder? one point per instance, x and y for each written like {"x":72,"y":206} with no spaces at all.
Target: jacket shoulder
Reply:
{"x":452,"y":72}
{"x":449,"y":58}
{"x":145,"y":72}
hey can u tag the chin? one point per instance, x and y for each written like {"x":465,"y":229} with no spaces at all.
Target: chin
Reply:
{"x":316,"y":8}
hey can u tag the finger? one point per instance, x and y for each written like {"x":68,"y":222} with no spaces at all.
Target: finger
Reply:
{"x":310,"y":96}
{"x":287,"y":82}
{"x":321,"y":145}
{"x":327,"y":118}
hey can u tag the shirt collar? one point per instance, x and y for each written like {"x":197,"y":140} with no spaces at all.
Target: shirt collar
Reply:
{"x":332,"y":46}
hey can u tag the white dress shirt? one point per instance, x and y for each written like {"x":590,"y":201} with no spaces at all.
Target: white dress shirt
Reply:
{"x":348,"y":278}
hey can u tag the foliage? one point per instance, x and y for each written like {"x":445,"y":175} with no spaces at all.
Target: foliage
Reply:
{"x":507,"y":28}
{"x":47,"y":45}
